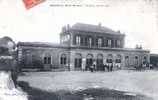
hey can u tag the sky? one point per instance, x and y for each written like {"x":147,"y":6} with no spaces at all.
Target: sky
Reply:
{"x":137,"y":19}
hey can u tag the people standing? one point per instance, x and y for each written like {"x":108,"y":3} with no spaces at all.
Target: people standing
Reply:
{"x":91,"y":68}
{"x":111,"y":67}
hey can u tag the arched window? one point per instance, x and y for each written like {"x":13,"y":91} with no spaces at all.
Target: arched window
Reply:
{"x":78,"y":40}
{"x":109,"y":58}
{"x":63,"y":59}
{"x":126,"y":61}
{"x":99,"y":62}
{"x":118,"y":59}
{"x":90,"y":41}
{"x":118,"y":43}
{"x":109,"y":43}
{"x":89,"y":60}
{"x":144,"y":59}
{"x":99,"y":59}
{"x":136,"y":60}
{"x":99,"y":42}
{"x":47,"y":59}
{"x":78,"y":61}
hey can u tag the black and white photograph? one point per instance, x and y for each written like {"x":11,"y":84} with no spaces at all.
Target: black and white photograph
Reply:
{"x":78,"y":50}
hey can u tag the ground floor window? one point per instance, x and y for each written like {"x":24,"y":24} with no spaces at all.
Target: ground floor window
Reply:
{"x":109,"y":59}
{"x":89,"y":60}
{"x":63,"y":59}
{"x":118,"y":59}
{"x":136,"y":60}
{"x":126,"y":61}
{"x":144,"y":60}
{"x":100,"y":62}
{"x":78,"y":63}
{"x":47,"y":60}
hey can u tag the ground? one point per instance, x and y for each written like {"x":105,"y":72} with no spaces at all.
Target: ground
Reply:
{"x":8,"y":90}
{"x":78,"y":85}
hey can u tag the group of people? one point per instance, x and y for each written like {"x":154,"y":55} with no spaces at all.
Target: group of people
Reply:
{"x":102,"y":67}
{"x":144,"y":65}
{"x":110,"y":67}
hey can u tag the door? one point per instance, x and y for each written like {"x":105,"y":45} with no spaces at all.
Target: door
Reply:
{"x":78,"y":62}
{"x":89,"y":61}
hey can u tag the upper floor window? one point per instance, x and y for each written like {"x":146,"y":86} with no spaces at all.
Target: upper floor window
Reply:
{"x":99,"y":42}
{"x":78,"y":40}
{"x":118,"y":43}
{"x":90,"y":41}
{"x":145,"y":60}
{"x":65,"y":38}
{"x":68,"y":37}
{"x":109,"y":43}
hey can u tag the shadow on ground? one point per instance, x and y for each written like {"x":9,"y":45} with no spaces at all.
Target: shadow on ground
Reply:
{"x":88,"y":94}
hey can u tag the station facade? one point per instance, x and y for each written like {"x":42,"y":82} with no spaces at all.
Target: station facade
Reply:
{"x":81,"y":46}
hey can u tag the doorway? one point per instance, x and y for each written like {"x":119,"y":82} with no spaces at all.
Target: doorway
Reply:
{"x":78,"y":62}
{"x":89,"y":61}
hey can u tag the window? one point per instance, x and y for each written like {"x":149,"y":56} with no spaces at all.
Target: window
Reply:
{"x":118,"y":43}
{"x":109,"y":58}
{"x":127,"y":61}
{"x":118,"y":59}
{"x":68,"y":37}
{"x":90,"y":41}
{"x":63,"y":59}
{"x":99,"y":42}
{"x":136,"y":60}
{"x":144,"y":59}
{"x":78,"y":61}
{"x":109,"y":61}
{"x":89,"y":60}
{"x":78,"y":40}
{"x":109,"y":43}
{"x":136,"y":57}
{"x":99,"y":59}
{"x":47,"y":60}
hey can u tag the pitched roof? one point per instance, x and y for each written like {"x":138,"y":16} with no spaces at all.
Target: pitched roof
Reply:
{"x":93,"y":28}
